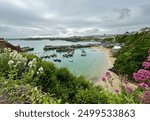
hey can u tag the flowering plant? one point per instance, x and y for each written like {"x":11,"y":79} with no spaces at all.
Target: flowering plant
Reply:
{"x":17,"y":66}
{"x":142,"y":77}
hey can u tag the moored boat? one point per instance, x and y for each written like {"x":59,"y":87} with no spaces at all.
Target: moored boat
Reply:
{"x":57,"y":60}
{"x":83,"y":54}
{"x":70,"y":60}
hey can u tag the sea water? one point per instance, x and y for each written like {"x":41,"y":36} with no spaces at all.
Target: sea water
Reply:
{"x":92,"y":66}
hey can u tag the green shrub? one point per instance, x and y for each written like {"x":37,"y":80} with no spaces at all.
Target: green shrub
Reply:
{"x":130,"y":57}
{"x":37,"y":81}
{"x":14,"y":91}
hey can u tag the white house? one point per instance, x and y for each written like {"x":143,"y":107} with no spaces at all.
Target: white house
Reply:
{"x":115,"y":49}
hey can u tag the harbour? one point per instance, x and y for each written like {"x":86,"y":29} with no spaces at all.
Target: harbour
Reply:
{"x":81,"y":58}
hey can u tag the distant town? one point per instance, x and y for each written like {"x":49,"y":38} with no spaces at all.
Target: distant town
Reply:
{"x":84,"y":38}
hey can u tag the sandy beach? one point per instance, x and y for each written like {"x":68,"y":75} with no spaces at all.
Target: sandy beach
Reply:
{"x":116,"y":80}
{"x":110,"y":58}
{"x":114,"y":77}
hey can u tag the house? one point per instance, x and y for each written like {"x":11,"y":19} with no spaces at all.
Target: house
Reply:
{"x":115,"y":49}
{"x":5,"y":44}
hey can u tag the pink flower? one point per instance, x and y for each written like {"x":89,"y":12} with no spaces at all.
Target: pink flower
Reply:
{"x":142,"y":75}
{"x":126,"y":82}
{"x":149,"y":51}
{"x":148,"y":58}
{"x":146,"y":97}
{"x":103,"y":79}
{"x":146,"y":93}
{"x":146,"y":65}
{"x":129,"y":89}
{"x":116,"y":90}
{"x":143,"y":85}
{"x":148,"y":83}
{"x":107,"y":74}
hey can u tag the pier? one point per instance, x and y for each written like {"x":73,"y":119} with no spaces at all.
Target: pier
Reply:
{"x":67,"y":48}
{"x":25,"y":49}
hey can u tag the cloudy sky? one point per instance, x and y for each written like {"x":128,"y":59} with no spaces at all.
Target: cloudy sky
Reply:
{"x":25,"y":18}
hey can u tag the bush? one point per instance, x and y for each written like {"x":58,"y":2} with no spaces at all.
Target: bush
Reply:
{"x":32,"y":72}
{"x":37,"y":81}
{"x":130,"y":57}
{"x":14,"y":91}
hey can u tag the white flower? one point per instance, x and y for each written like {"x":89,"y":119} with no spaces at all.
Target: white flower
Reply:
{"x":11,"y":62}
{"x":40,"y":69}
{"x":11,"y":54}
{"x":15,"y":66}
{"x":30,"y":64}
{"x":14,"y":55}
{"x":9,"y":49}
{"x":34,"y":61}
{"x":5,"y":50}
{"x":18,"y":62}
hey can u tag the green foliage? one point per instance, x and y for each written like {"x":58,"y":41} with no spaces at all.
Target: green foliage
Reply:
{"x":130,"y":57}
{"x":32,"y":72}
{"x":123,"y":98}
{"x":15,"y":91}
{"x":91,"y":96}
{"x":36,"y":81}
{"x":108,"y":39}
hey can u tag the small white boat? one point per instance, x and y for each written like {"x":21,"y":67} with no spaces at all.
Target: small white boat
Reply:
{"x":70,"y":60}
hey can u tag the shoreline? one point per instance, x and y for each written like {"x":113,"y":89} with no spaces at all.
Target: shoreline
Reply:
{"x":115,"y":78}
{"x":108,"y":53}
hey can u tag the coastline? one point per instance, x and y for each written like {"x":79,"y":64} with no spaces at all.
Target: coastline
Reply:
{"x":108,"y":53}
{"x":115,"y":78}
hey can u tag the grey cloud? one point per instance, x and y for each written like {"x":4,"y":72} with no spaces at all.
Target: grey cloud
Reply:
{"x":144,"y":10}
{"x":69,"y":17}
{"x":123,"y":13}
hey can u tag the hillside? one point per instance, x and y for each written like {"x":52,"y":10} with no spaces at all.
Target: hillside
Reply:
{"x":130,"y":58}
{"x":25,"y":78}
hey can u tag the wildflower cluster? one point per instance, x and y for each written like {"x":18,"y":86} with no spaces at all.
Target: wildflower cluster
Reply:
{"x":146,"y":97}
{"x":123,"y":94}
{"x":142,"y":77}
{"x":40,"y":70}
{"x":143,"y":74}
{"x":12,"y":62}
{"x":32,"y":64}
{"x":108,"y":78}
{"x":16,"y":65}
{"x":126,"y":87}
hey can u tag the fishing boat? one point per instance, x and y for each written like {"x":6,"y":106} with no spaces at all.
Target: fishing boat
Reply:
{"x":57,"y":60}
{"x":65,"y":55}
{"x":70,"y":54}
{"x":53,"y":55}
{"x":83,"y":54}
{"x":45,"y":56}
